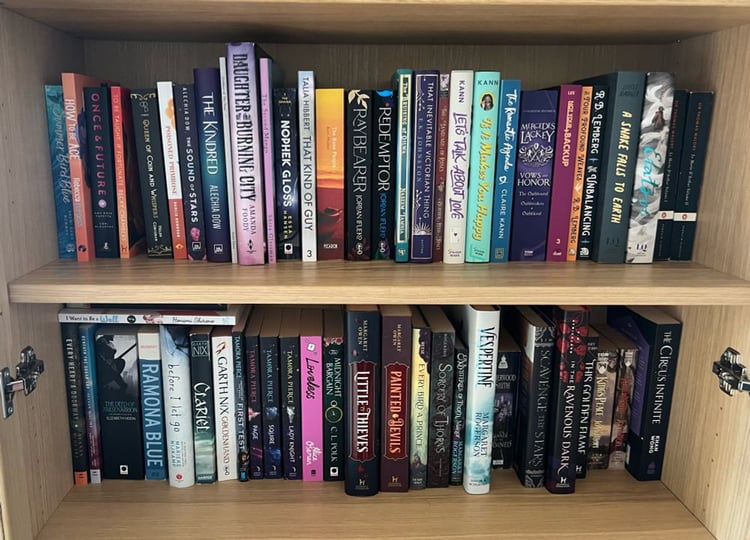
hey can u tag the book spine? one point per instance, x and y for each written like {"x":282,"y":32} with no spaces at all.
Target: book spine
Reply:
{"x":265,"y":69}
{"x":384,"y":175}
{"x":362,"y":402}
{"x":537,"y":127}
{"x":204,"y":428}
{"x":333,"y":408}
{"x":574,"y":230}
{"x":459,"y":142}
{"x":224,"y":406}
{"x":287,"y":162}
{"x":254,"y":407}
{"x":403,"y":89}
{"x":175,"y":362}
{"x":441,"y":164}
{"x":592,"y":178}
{"x":213,"y":166}
{"x":311,"y":382}
{"x":165,"y":95}
{"x":441,"y":409}
{"x":602,"y":409}
{"x":693,"y":160}
{"x":458,"y":424}
{"x":291,"y":405}
{"x":329,"y":137}
{"x":649,"y":168}
{"x":587,"y":399}
{"x":568,"y":118}
{"x":482,"y":168}
{"x":190,"y":170}
{"x":424,"y":142}
{"x":76,"y":403}
{"x":307,"y":161}
{"x":152,"y":404}
{"x":359,"y":183}
{"x":505,"y":169}
{"x":240,"y":405}
{"x":269,"y":380}
{"x":229,"y":179}
{"x":628,"y":360}
{"x":87,"y":335}
{"x":151,"y":166}
{"x":420,"y":407}
{"x":506,"y":403}
{"x":59,"y":159}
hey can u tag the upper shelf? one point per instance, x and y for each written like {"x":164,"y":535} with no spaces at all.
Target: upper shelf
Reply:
{"x":390,"y":21}
{"x":143,"y":280}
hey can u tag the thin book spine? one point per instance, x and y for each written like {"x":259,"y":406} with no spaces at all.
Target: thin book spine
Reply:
{"x":359,"y":178}
{"x":579,"y":173}
{"x":240,"y":396}
{"x":287,"y":162}
{"x":459,"y":413}
{"x":87,"y":333}
{"x":266,"y":74}
{"x":269,"y":379}
{"x":311,"y":384}
{"x":152,"y":398}
{"x":307,"y":161}
{"x":504,"y":438}
{"x":403,"y":89}
{"x":254,"y":393}
{"x":334,"y":430}
{"x":384,"y":175}
{"x":420,"y":401}
{"x":228,"y":160}
{"x":441,"y":165}
{"x":603,"y":405}
{"x":74,"y":386}
{"x":291,"y":404}
{"x":587,"y":401}
{"x":202,"y":384}
{"x":224,"y":404}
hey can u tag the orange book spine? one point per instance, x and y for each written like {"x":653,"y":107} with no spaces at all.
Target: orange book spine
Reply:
{"x":329,"y":139}
{"x":579,"y":173}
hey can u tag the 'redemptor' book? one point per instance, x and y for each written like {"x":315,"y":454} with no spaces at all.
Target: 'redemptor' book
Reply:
{"x":384,"y":174}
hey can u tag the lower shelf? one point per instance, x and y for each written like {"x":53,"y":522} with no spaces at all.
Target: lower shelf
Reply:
{"x":608,"y":504}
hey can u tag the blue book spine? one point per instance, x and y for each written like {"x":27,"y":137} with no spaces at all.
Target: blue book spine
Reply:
{"x":58,"y":153}
{"x":87,"y":335}
{"x":402,"y":81}
{"x":505,"y":170}
{"x":152,"y":404}
{"x":213,"y":165}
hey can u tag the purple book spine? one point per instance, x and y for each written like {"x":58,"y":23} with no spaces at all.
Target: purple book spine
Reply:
{"x":311,"y":381}
{"x":536,"y":148}
{"x":265,"y":66}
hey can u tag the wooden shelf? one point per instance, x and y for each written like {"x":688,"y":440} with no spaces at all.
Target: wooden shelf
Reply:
{"x":389,"y":21}
{"x":143,"y":280}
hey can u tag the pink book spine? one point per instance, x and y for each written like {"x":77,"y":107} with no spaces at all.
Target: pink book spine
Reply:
{"x":311,"y":374}
{"x":266,"y":108}
{"x":247,"y":166}
{"x":568,"y":116}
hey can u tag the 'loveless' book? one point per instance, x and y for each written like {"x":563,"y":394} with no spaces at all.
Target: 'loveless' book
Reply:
{"x":334,"y":429}
{"x":287,"y":162}
{"x":204,"y":428}
{"x":311,"y":390}
{"x":384,"y":174}
{"x":152,"y":402}
{"x":359,"y":178}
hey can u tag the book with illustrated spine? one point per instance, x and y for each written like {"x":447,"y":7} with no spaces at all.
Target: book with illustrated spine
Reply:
{"x":334,"y":429}
{"x":330,"y":163}
{"x":458,"y":424}
{"x":291,"y":400}
{"x":579,"y":173}
{"x":254,"y":392}
{"x":269,"y":77}
{"x":441,"y":164}
{"x":506,"y":402}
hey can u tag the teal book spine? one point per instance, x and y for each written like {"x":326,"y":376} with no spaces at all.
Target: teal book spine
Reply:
{"x":402,"y":81}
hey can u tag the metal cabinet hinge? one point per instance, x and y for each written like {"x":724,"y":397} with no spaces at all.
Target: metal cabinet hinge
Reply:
{"x":27,"y":372}
{"x":731,"y":373}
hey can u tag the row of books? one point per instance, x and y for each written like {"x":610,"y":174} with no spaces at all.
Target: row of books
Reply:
{"x":386,"y":398}
{"x":457,"y":166}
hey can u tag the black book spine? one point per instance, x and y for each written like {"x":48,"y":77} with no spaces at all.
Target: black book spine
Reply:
{"x":458,"y":428}
{"x":333,"y":405}
{"x":359,"y":182}
{"x":240,"y":405}
{"x":151,"y":166}
{"x":254,"y":407}
{"x":190,"y":169}
{"x":506,"y":403}
{"x":587,"y":398}
{"x":286,"y":133}
{"x":100,"y":168}
{"x":204,"y":427}
{"x":76,"y":403}
{"x":269,"y":377}
{"x":441,"y":409}
{"x":384,"y":175}
{"x":291,"y":406}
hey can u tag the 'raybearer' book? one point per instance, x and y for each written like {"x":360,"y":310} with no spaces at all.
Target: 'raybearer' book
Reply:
{"x":334,"y":429}
{"x":363,"y":377}
{"x":204,"y":429}
{"x":152,"y":400}
{"x":286,"y":147}
{"x":76,"y":403}
{"x":359,"y":184}
{"x":506,"y":401}
{"x":384,"y":174}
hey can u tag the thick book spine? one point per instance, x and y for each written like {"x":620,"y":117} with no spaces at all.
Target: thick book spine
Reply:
{"x":359,"y":178}
{"x":459,"y":142}
{"x":395,"y":374}
{"x":579,"y":173}
{"x":311,"y":384}
{"x":420,"y":402}
{"x":240,"y":399}
{"x":152,"y":403}
{"x":59,"y":160}
{"x":307,"y":162}
{"x":87,"y":335}
{"x":271,"y":400}
{"x":202,"y":384}
{"x":254,"y":399}
{"x":267,"y":81}
{"x":230,"y":183}
{"x":649,"y":168}
{"x":224,"y":404}
{"x":329,"y":136}
{"x":403,"y":85}
{"x":287,"y":163}
{"x":165,"y":95}
{"x":458,"y":424}
{"x":603,"y":405}
{"x":481,"y":188}
{"x":151,"y":166}
{"x":506,"y":402}
{"x":505,"y":169}
{"x":291,"y":400}
{"x":424,"y":144}
{"x":568,"y":118}
{"x":384,"y":174}
{"x":362,"y":474}
{"x":213,"y":165}
{"x":190,"y":170}
{"x":76,"y":403}
{"x":334,"y":429}
{"x":175,"y":362}
{"x":441,"y":165}
{"x":587,"y":399}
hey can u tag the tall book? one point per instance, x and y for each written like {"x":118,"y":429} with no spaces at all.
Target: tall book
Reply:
{"x":120,"y":402}
{"x":620,"y":147}
{"x":254,"y":392}
{"x":563,"y":172}
{"x":384,"y":174}
{"x":481,"y":187}
{"x":287,"y":162}
{"x":165,"y":95}
{"x":307,"y":164}
{"x":59,"y":160}
{"x":649,"y":168}
{"x":76,"y":403}
{"x":657,"y":336}
{"x":456,"y":183}
{"x":87,"y":337}
{"x":420,"y":401}
{"x":505,"y":169}
{"x":230,"y":183}
{"x":424,"y":146}
{"x":268,"y":343}
{"x":213,"y":165}
{"x":506,"y":401}
{"x":537,"y":127}
{"x":441,"y":164}
{"x":269,"y":78}
{"x":576,"y":200}
{"x":329,"y":176}
{"x":458,"y":424}
{"x":362,"y":460}
{"x":202,"y":384}
{"x":148,"y":146}
{"x":186,"y":120}
{"x":403,"y":85}
{"x":291,"y":400}
{"x":311,"y":390}
{"x":152,"y":402}
{"x":587,"y":401}
{"x":334,"y":429}
{"x":442,"y":362}
{"x":359,"y":183}
{"x":224,"y":403}
{"x":606,"y":367}
{"x":479,"y":327}
{"x":175,"y":362}
{"x":240,"y":395}
{"x":395,"y":374}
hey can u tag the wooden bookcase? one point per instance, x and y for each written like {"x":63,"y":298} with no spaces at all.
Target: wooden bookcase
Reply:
{"x":704,"y":489}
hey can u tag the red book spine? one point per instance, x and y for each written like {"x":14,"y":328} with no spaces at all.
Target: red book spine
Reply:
{"x":442,"y":165}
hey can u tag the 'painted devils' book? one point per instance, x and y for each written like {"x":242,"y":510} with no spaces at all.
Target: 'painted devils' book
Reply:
{"x":334,"y":429}
{"x":204,"y":428}
{"x":458,"y":424}
{"x":76,"y":403}
{"x":506,"y":401}
{"x":254,"y":392}
{"x":152,"y":402}
{"x":420,"y":401}
{"x":311,"y":390}
{"x":384,"y":174}
{"x":268,"y":343}
{"x":359,"y":178}
{"x":287,"y":162}
{"x":330,"y":153}
{"x":87,"y":336}
{"x":291,"y":403}
{"x":587,"y":400}
{"x":603,"y":404}
{"x":362,"y":401}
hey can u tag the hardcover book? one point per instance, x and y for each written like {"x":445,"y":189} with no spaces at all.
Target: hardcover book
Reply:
{"x":268,"y":343}
{"x":307,"y":161}
{"x":329,"y":135}
{"x":230,"y":183}
{"x":76,"y":403}
{"x":603,"y":404}
{"x":87,"y":336}
{"x":421,"y":343}
{"x":587,"y":400}
{"x":224,"y":403}
{"x":254,"y":392}
{"x":334,"y":429}
{"x":403,"y":86}
{"x":311,"y":390}
{"x":291,"y":400}
{"x":269,"y":78}
{"x":359,"y":178}
{"x":506,"y":401}
{"x":152,"y":402}
{"x":384,"y":174}
{"x":287,"y":162}
{"x":441,"y":164}
{"x":579,"y":173}
{"x":147,"y":316}
{"x":458,"y":423}
{"x":240,"y":395}
{"x":202,"y":383}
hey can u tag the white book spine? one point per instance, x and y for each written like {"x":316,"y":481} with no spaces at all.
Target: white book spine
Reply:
{"x":306,"y":99}
{"x":224,"y":406}
{"x":457,"y":179}
{"x":228,"y":155}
